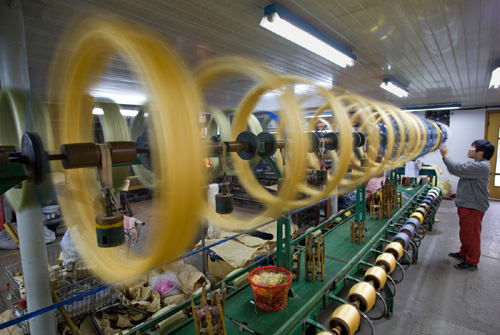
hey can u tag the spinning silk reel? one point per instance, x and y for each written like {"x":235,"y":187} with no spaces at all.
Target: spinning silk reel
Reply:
{"x":365,"y":137}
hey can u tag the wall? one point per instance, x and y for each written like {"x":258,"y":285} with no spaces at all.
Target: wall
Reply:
{"x":466,"y":126}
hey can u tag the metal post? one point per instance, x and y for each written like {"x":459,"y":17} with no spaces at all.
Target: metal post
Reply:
{"x":363,"y":202}
{"x":288,"y":243}
{"x":14,"y":73}
{"x":357,"y":206}
{"x":279,"y":243}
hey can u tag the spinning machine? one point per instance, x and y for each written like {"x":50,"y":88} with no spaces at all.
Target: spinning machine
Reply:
{"x":365,"y":138}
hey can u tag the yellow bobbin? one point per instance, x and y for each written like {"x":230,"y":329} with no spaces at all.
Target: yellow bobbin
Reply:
{"x":365,"y":294}
{"x":377,"y":276}
{"x":387,"y":261}
{"x":324,"y":333}
{"x":396,"y":249}
{"x":347,"y":318}
{"x":418,"y":216}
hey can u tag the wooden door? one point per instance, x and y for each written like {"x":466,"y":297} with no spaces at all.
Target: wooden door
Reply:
{"x":493,"y":135}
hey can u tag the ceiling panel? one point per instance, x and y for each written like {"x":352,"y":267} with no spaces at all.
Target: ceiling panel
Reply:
{"x":444,"y":50}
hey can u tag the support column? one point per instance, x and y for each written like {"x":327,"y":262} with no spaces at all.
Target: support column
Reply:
{"x":35,"y":267}
{"x":13,"y":56}
{"x":14,"y":73}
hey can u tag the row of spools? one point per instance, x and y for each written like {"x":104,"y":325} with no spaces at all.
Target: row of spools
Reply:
{"x":345,"y":320}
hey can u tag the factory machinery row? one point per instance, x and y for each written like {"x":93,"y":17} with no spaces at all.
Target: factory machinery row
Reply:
{"x":362,"y":139}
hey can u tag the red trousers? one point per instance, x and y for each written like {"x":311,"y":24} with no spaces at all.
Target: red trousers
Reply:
{"x":470,"y":234}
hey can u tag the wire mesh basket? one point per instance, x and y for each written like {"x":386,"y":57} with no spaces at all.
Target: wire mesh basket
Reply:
{"x":68,"y":281}
{"x":270,"y":285}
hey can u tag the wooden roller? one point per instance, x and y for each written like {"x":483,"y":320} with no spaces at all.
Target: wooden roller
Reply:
{"x":364,"y":294}
{"x":377,"y":276}
{"x":396,"y":249}
{"x":345,"y":320}
{"x":387,"y":261}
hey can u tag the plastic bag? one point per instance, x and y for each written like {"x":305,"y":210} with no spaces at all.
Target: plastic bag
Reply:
{"x":166,"y":284}
{"x":49,"y":235}
{"x":445,"y":186}
{"x":68,"y":249}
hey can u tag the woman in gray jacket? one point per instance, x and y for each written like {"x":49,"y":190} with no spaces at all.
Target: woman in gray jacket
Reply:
{"x":471,"y":200}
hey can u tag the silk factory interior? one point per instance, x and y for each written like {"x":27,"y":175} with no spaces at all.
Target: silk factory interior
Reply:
{"x":226,"y":167}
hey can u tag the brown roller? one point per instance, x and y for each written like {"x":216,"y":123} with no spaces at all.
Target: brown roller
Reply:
{"x":78,"y":155}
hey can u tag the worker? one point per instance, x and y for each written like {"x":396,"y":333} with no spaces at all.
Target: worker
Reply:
{"x":471,"y":200}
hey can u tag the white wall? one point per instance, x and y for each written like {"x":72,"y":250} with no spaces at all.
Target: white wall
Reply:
{"x":466,"y":126}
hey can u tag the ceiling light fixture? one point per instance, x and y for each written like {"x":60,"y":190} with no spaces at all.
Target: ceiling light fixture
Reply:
{"x":495,"y":78}
{"x":124,"y":112}
{"x":123,"y":98}
{"x":282,"y":22}
{"x":431,"y":107}
{"x":394,"y":87}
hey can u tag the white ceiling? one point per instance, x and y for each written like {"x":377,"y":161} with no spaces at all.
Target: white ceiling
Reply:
{"x":443,"y":50}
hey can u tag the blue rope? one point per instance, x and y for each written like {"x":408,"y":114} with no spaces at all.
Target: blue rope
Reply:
{"x":51,"y":307}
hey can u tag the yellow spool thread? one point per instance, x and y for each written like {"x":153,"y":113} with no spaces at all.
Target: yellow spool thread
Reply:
{"x":221,"y":68}
{"x":137,"y":127}
{"x":395,"y":249}
{"x":367,"y":120}
{"x":439,"y":135}
{"x":418,"y":216}
{"x":177,"y":196}
{"x":347,"y":318}
{"x":114,"y":128}
{"x":364,"y":293}
{"x":387,"y":260}
{"x":377,"y":275}
{"x":341,"y":122}
{"x":219,"y":120}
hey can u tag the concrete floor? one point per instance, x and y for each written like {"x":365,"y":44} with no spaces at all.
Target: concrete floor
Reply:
{"x":434,"y":297}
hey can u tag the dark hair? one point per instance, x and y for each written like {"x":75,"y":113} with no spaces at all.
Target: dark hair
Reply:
{"x":485,"y":146}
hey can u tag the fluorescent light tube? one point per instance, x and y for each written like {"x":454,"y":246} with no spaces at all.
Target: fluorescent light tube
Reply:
{"x":495,"y":78}
{"x":287,"y":25}
{"x":395,"y":89}
{"x":431,"y":108}
{"x":124,"y":112}
{"x":129,"y":112}
{"x":132,"y":99}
